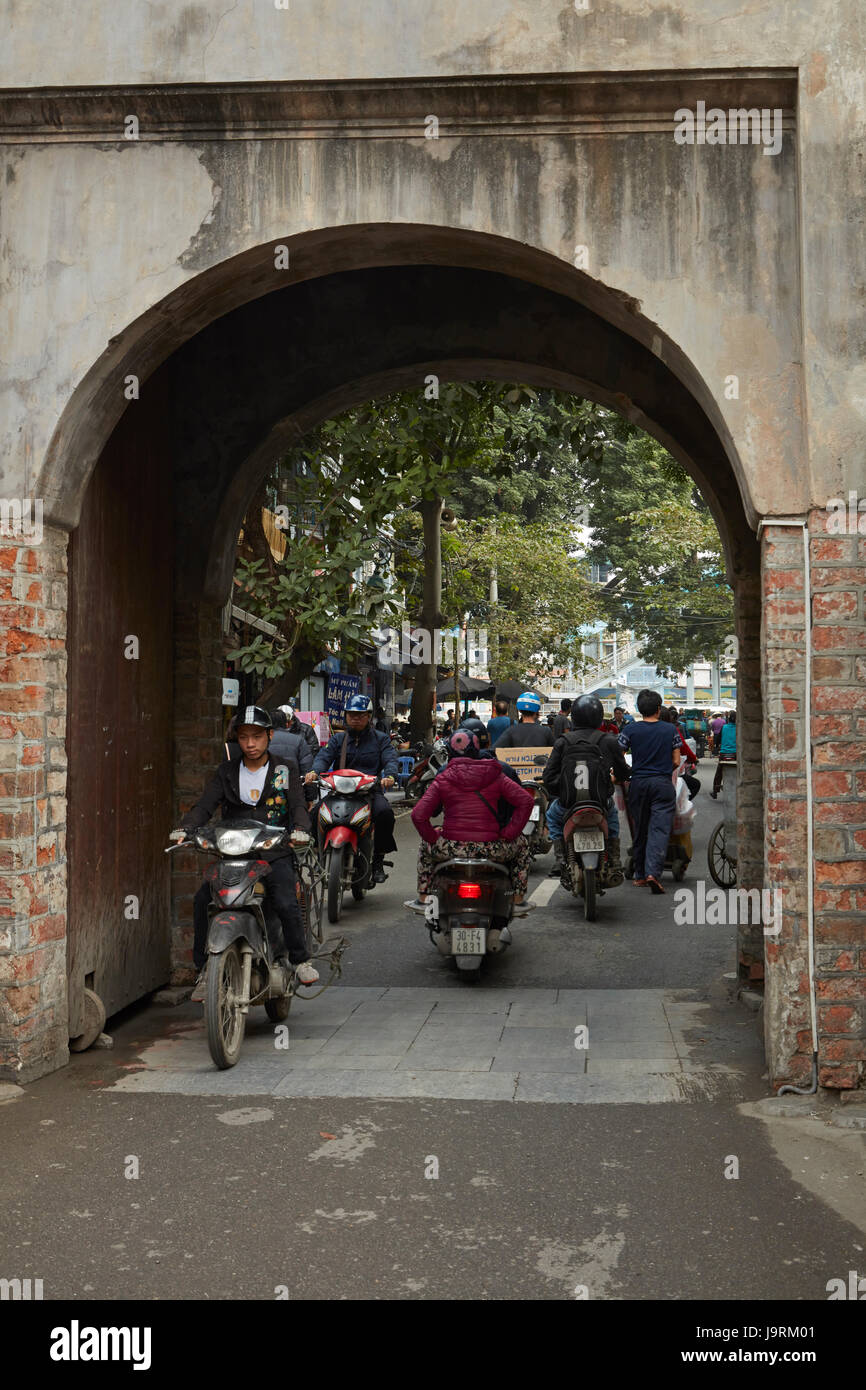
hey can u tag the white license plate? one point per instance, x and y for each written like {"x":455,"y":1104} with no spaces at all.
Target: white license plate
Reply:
{"x":587,"y":840}
{"x":467,"y":941}
{"x":535,"y":813}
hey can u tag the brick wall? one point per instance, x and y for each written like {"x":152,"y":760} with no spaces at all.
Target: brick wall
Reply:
{"x":750,"y":770}
{"x":199,"y":648}
{"x":837,"y":747}
{"x":33,"y":1004}
{"x":839,"y":760}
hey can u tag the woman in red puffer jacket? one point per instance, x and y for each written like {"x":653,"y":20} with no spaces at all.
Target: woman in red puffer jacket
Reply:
{"x":469,"y":789}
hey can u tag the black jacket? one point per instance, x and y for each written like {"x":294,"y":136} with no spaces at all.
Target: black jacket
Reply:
{"x":606,"y":743}
{"x":307,"y":732}
{"x":527,"y":736}
{"x":368,"y":751}
{"x":279,"y":804}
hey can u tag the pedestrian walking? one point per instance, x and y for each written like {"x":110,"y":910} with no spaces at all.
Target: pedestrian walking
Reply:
{"x":654,"y":748}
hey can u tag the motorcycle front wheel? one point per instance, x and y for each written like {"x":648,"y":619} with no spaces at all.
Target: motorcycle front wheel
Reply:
{"x":223,"y":1018}
{"x":335,"y":884}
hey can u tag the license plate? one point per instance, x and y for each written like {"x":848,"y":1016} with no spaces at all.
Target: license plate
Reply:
{"x":587,"y":840}
{"x":467,"y":941}
{"x":535,"y":813}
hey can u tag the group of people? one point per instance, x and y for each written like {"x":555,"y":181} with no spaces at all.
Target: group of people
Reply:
{"x":270,"y":759}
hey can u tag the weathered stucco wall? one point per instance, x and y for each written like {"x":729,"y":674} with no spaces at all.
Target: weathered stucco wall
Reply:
{"x":573,"y":197}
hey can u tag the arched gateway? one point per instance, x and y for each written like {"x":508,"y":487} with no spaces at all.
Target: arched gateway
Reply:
{"x":315,"y":247}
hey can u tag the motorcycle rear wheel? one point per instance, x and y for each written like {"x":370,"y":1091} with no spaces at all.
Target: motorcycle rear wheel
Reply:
{"x":223,"y":1018}
{"x":335,"y":884}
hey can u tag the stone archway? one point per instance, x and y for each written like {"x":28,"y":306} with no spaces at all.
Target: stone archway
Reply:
{"x":210,"y":419}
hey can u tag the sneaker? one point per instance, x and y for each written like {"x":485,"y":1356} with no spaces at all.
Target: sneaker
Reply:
{"x":306,"y":973}
{"x":200,"y":986}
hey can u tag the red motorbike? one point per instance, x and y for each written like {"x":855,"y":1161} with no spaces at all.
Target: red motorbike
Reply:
{"x":345,"y":832}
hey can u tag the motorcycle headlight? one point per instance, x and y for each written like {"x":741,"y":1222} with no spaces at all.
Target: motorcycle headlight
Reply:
{"x":235,"y":842}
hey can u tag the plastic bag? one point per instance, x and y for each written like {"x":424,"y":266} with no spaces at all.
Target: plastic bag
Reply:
{"x":685,"y":812}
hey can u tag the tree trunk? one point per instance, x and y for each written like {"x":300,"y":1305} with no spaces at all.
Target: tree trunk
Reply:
{"x":424,"y":689}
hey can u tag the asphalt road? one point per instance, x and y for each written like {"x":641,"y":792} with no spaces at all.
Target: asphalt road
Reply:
{"x":117,"y":1195}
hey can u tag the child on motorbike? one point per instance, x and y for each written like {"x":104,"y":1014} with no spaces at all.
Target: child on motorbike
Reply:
{"x":468,"y":789}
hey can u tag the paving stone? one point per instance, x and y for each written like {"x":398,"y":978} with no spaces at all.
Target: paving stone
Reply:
{"x":383,"y":1085}
{"x":591,"y":1090}
{"x":430,"y":1059}
{"x":356,"y":1062}
{"x":609,"y":1051}
{"x":573,"y":1064}
{"x":367,"y":1047}
{"x":632,"y":1066}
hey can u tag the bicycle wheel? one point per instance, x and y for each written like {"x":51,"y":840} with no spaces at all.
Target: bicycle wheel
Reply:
{"x":722,"y":866}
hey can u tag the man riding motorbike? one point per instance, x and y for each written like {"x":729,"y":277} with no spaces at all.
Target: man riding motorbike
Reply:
{"x":365,"y":750}
{"x":469,"y":788}
{"x":586,"y":716}
{"x":260,"y":786}
{"x":528,"y":733}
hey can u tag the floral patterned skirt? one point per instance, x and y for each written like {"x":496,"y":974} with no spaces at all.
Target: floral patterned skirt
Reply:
{"x":514,"y":853}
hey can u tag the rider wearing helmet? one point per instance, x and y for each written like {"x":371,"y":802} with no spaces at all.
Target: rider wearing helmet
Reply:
{"x":259,"y":786}
{"x":529,"y":733}
{"x":297,"y":726}
{"x":587,"y":717}
{"x":365,"y":749}
{"x":469,"y":789}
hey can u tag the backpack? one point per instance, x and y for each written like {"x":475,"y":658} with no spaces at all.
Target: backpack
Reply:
{"x":586,"y":769}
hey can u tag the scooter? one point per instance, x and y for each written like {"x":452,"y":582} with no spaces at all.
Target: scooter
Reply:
{"x":535,"y":829}
{"x":585,"y":836}
{"x":345,"y":832}
{"x":247,"y":963}
{"x":470,"y":905}
{"x":426,"y":769}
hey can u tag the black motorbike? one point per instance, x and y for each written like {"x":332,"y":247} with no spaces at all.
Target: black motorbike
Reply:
{"x":246,"y":952}
{"x":471,"y":904}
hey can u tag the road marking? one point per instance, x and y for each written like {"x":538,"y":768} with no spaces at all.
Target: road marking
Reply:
{"x":544,"y":892}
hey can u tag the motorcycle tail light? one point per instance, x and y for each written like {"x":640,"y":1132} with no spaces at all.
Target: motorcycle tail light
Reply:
{"x":469,"y":890}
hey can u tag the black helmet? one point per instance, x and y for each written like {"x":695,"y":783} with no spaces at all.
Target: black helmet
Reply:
{"x":254,"y":714}
{"x":473,"y":725}
{"x":587,"y":712}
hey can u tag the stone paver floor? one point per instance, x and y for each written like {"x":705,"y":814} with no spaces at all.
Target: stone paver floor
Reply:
{"x":600,"y":1046}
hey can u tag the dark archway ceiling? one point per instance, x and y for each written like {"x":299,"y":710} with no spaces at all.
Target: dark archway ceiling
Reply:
{"x":255,"y":378}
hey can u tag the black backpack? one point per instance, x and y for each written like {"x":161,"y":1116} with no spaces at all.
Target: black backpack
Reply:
{"x":586,"y":769}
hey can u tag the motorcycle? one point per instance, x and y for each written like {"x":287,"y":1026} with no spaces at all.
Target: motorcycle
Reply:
{"x":470,"y":906}
{"x":246,"y":951}
{"x":345,"y":834}
{"x":585,"y":837}
{"x":426,"y":769}
{"x":535,"y":828}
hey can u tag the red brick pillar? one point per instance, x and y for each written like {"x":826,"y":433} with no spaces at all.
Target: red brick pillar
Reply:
{"x":836,"y":751}
{"x":838,"y":565}
{"x":33,"y":998}
{"x":199,"y":647}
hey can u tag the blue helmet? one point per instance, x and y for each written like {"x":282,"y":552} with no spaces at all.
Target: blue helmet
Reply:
{"x":359,"y":704}
{"x":528,"y":703}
